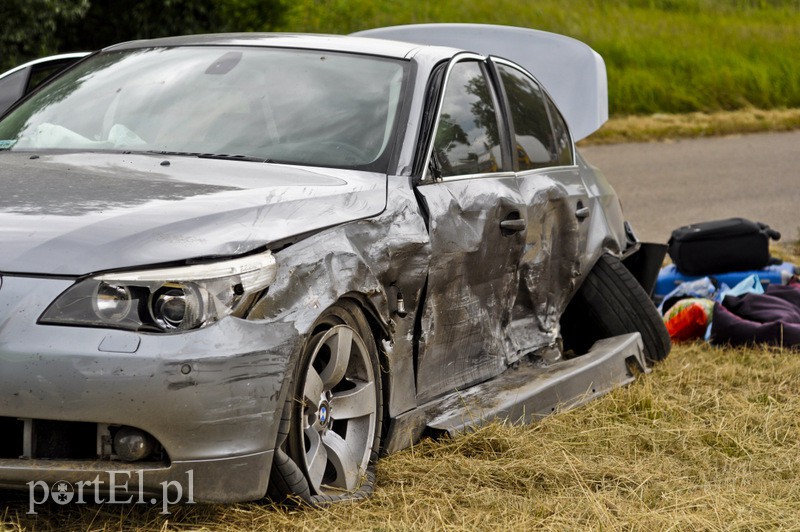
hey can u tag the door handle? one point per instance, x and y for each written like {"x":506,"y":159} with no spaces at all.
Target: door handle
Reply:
{"x":513,"y":224}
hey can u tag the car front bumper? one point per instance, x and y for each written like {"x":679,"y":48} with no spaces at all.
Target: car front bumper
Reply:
{"x":212,"y":398}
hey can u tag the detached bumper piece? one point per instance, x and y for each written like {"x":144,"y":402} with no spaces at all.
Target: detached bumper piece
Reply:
{"x":530,"y":391}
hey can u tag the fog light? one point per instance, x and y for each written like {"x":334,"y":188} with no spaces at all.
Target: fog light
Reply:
{"x":132,"y":444}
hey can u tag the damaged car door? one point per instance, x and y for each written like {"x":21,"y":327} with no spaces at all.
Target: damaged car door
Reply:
{"x":558,"y":211}
{"x":476,"y":219}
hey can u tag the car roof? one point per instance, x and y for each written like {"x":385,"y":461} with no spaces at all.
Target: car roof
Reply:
{"x":333,"y":43}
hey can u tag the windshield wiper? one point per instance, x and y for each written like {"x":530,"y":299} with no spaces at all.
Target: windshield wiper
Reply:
{"x":250,"y":158}
{"x":226,"y":156}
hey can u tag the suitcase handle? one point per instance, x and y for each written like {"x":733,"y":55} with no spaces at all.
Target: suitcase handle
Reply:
{"x":770,"y":232}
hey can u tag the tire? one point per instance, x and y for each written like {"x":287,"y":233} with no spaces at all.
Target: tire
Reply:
{"x":330,"y":431}
{"x":609,"y":303}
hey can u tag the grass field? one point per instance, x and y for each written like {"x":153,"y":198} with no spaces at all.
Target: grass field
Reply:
{"x":709,"y":440}
{"x":663,"y":56}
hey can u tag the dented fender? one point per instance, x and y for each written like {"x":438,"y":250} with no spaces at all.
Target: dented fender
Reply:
{"x":377,"y":261}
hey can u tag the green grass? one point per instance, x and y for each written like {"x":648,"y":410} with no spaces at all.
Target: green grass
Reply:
{"x":672,"y":56}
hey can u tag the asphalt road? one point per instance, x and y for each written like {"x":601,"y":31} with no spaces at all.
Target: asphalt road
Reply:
{"x":665,"y":185}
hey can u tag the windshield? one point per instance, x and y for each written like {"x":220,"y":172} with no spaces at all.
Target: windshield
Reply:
{"x":282,"y":105}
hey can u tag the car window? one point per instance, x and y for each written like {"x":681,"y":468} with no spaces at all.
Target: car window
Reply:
{"x":468,"y":134}
{"x":44,"y":71}
{"x":289,"y":106}
{"x":535,"y":144}
{"x":566,"y":157}
{"x":11,"y":88}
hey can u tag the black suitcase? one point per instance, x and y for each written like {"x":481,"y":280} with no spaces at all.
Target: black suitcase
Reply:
{"x":721,"y":246}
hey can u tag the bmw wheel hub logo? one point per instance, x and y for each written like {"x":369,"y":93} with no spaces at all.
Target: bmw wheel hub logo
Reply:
{"x":324,"y":414}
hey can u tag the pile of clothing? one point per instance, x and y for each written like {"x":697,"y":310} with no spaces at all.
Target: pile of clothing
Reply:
{"x":746,"y":314}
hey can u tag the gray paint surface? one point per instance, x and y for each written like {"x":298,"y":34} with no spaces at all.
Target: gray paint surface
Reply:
{"x":668,"y":184}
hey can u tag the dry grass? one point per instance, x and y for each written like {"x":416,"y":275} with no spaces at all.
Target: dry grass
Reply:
{"x":672,"y":126}
{"x":709,"y":440}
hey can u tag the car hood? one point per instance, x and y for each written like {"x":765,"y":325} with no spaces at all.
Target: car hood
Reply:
{"x":74,"y":214}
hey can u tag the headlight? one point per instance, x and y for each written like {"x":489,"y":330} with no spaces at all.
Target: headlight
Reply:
{"x":166,"y":299}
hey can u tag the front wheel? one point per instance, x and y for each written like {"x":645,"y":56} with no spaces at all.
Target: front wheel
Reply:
{"x":330,"y":432}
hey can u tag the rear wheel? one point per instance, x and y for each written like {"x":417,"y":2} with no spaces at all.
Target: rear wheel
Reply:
{"x":609,"y":303}
{"x":330,"y":432}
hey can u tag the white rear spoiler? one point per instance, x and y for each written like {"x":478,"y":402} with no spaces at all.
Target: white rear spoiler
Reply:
{"x":573,"y":73}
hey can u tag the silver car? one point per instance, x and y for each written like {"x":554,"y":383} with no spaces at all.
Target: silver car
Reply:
{"x":235,"y":265}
